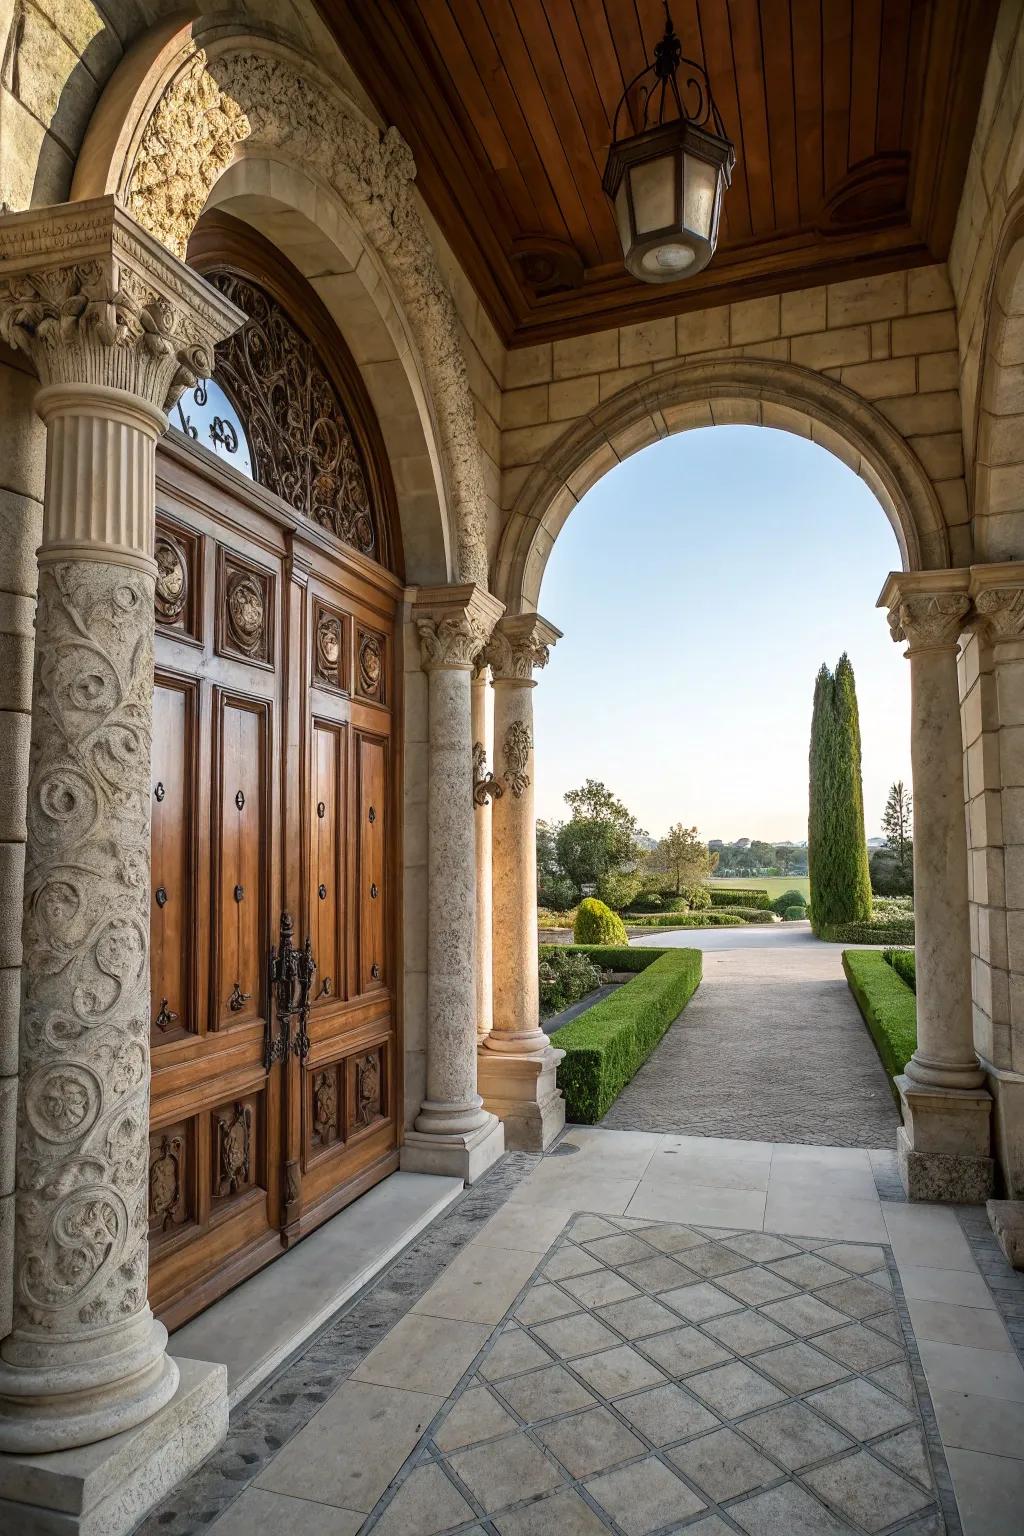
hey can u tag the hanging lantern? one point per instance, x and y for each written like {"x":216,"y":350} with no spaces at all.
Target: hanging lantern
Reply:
{"x":666,"y":181}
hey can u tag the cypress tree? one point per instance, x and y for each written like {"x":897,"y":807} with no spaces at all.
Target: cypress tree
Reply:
{"x":837,"y":854}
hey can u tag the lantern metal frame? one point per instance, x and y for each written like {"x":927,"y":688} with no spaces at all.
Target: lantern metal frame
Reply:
{"x":695,"y":132}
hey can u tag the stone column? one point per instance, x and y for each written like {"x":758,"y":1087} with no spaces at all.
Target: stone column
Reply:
{"x":454,"y":1133}
{"x":944,"y":1143}
{"x":485,"y":789}
{"x":998,"y":794}
{"x":517,"y":1065}
{"x":115,"y":329}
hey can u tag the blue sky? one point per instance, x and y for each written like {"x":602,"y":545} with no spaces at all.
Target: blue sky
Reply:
{"x":699,"y":586}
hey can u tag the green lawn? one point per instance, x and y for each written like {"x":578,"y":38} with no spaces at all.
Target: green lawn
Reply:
{"x":773,"y":884}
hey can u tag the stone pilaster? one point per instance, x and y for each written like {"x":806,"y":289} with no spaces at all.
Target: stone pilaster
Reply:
{"x":453,"y":1133}
{"x":998,"y":593}
{"x":485,"y":789}
{"x":944,"y":1143}
{"x":517,"y":1064}
{"x":115,"y":328}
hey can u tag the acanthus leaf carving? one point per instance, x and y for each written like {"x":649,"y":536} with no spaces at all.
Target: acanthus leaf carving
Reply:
{"x":1001,"y":610}
{"x":928,"y":620}
{"x":517,"y":747}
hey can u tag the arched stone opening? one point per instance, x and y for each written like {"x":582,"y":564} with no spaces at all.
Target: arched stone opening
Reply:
{"x":196,"y":106}
{"x":999,"y":415}
{"x":715,"y":393}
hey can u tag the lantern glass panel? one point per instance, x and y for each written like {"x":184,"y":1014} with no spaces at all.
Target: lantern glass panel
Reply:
{"x":700,"y":185}
{"x":622,"y":215}
{"x":653,"y":184}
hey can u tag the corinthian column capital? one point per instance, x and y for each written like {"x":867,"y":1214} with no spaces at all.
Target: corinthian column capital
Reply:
{"x":454,"y":624}
{"x":93,"y":299}
{"x":520,"y":643}
{"x":927,"y":609}
{"x":998,"y":592}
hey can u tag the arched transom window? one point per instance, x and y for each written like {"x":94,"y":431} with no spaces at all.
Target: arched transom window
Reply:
{"x":272,"y":410}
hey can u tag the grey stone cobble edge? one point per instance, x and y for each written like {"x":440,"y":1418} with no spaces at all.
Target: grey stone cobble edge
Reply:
{"x":1005,"y":1284}
{"x":261,"y":1425}
{"x":423,"y":1455}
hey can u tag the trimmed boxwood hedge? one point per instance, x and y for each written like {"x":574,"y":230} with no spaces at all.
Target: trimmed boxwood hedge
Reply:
{"x":610,"y":957}
{"x":606,"y":1045}
{"x":887,"y":1003}
{"x":904,"y":964}
{"x":887,"y":931}
{"x":739,"y":896}
{"x":709,"y":919}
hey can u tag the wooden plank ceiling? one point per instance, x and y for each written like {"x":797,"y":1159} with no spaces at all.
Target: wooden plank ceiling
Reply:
{"x":852,"y":121}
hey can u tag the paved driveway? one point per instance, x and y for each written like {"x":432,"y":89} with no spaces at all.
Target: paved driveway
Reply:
{"x":771,"y":1048}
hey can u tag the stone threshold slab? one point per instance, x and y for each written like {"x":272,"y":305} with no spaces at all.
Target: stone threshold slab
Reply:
{"x":266,"y":1318}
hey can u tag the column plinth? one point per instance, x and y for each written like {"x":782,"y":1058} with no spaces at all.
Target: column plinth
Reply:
{"x":454,"y":1132}
{"x":115,"y":328}
{"x":517,"y":1063}
{"x":944,"y":1143}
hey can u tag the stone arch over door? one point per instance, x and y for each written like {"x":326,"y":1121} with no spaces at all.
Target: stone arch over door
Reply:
{"x":199,"y":116}
{"x":999,"y":414}
{"x":717,"y":392}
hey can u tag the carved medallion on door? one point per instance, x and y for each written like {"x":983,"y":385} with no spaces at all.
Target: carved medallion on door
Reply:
{"x":330,"y":647}
{"x":177,"y":598}
{"x":245,"y":609}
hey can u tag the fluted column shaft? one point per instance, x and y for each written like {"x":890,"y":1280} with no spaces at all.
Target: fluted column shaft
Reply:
{"x":454,"y":624}
{"x":115,"y":328}
{"x":931,"y":623}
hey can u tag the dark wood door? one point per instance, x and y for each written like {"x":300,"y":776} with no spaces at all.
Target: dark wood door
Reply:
{"x":273,"y":776}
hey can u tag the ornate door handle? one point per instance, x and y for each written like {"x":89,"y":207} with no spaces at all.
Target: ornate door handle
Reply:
{"x":166,"y":1015}
{"x":291,"y":980}
{"x":238,"y":999}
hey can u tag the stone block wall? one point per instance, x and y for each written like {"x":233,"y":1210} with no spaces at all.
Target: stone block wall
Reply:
{"x":892,"y":339}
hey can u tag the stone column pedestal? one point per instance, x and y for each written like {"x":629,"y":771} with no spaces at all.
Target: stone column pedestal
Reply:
{"x":115,"y":328}
{"x":518,"y":1066}
{"x":944,"y":1144}
{"x":454,"y":1133}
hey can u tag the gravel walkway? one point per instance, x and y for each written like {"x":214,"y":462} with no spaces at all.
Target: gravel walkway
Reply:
{"x":771,"y":1048}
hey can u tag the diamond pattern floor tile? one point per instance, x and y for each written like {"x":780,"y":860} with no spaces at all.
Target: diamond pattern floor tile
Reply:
{"x":655,"y":1376}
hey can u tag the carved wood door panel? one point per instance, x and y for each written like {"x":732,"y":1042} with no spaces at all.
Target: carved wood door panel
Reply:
{"x":343,"y":1093}
{"x":216,"y":1112}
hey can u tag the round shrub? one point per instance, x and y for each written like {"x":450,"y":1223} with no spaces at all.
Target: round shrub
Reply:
{"x":788,"y":899}
{"x":794,"y":914}
{"x":597,"y":924}
{"x":698,"y":898}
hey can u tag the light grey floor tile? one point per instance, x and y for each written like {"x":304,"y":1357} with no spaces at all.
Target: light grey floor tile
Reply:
{"x":804,"y":1315}
{"x":700,"y":1301}
{"x":795,"y":1436}
{"x":799,"y":1367}
{"x":543,"y":1302}
{"x":989,"y":1492}
{"x":505,"y":1471}
{"x":638,"y":1318}
{"x":988,"y":1372}
{"x":423,"y":1354}
{"x":816,"y":1177}
{"x":756,"y":1286}
{"x":257,"y":1512}
{"x":426,"y":1503}
{"x":544,"y":1394}
{"x":644,"y":1496}
{"x":668,"y":1238}
{"x":746,"y":1332}
{"x":353,"y":1447}
{"x":945,"y":1323}
{"x":856,"y":1297}
{"x":858,"y":1258}
{"x":723,"y":1466}
{"x":861,"y":1409}
{"x":927,"y":1235}
{"x":859,"y":1348}
{"x":712,"y":1260}
{"x":613,"y":1372}
{"x":786,"y":1511}
{"x":599,"y":1287}
{"x":897,"y":1380}
{"x":512,"y":1352}
{"x":958,"y":1287}
{"x":579,"y":1334}
{"x":531,"y":1228}
{"x":972,"y":1422}
{"x":619,"y":1249}
{"x":866,"y":1492}
{"x":734,"y":1389}
{"x":905,"y":1450}
{"x":479,"y":1285}
{"x":589,"y":1442}
{"x":658,"y":1273}
{"x":666,"y":1414}
{"x":812,"y":1213}
{"x":666,"y":1201}
{"x":684,"y":1351}
{"x":476,"y":1415}
{"x":760,"y":1247}
{"x":808,"y":1270}
{"x":563,"y":1512}
{"x":567,"y":1260}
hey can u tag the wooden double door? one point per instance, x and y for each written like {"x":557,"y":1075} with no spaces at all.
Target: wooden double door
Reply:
{"x":273,"y":1105}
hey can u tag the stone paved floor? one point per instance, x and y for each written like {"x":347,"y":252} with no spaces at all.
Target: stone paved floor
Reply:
{"x":772,"y":1047}
{"x":661,"y":1377}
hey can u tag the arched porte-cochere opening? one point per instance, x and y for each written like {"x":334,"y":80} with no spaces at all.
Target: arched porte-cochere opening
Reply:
{"x":275,"y":1086}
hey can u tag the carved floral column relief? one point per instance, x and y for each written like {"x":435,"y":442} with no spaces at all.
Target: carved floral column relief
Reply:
{"x":115,"y":330}
{"x":224,"y":96}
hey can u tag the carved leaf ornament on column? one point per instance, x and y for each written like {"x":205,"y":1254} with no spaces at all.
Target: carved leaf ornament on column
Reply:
{"x":517,"y":748}
{"x":929,"y":619}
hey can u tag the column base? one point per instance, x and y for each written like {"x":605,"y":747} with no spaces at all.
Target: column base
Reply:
{"x":524,"y":1093}
{"x":106,"y":1488}
{"x":463,"y":1157}
{"x":944,"y":1144}
{"x":1006,"y":1218}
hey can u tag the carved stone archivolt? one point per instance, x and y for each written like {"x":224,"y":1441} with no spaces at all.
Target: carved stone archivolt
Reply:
{"x":516,"y":750}
{"x":82,"y":1165}
{"x":110,"y":310}
{"x":301,"y":441}
{"x":250,"y":95}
